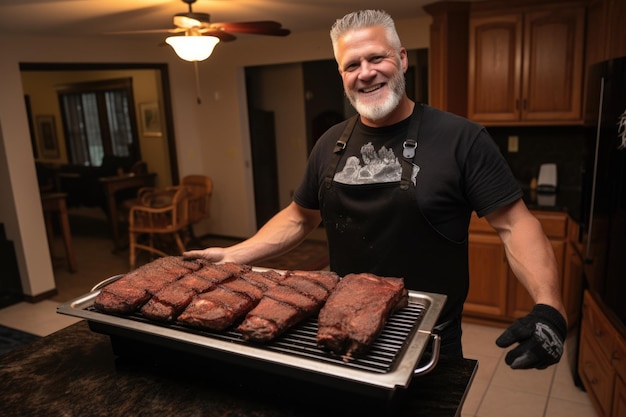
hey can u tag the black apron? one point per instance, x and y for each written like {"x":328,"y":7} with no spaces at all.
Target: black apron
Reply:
{"x":379,"y":228}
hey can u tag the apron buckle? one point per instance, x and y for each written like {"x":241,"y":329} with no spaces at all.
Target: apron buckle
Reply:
{"x":340,"y":146}
{"x":409,"y":147}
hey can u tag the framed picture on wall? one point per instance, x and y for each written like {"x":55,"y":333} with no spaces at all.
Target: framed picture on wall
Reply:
{"x":150,"y":119}
{"x":47,"y":134}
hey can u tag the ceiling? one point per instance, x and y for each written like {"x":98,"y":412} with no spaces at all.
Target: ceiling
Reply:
{"x":95,"y":18}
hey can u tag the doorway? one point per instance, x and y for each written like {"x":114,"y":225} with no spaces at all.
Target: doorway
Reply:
{"x":155,"y":142}
{"x":41,"y":81}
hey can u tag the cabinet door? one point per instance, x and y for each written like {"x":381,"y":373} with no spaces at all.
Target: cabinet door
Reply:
{"x":616,"y":42}
{"x":495,"y":68}
{"x":619,"y":398}
{"x":596,"y":373}
{"x":553,"y":63}
{"x":487,"y":270}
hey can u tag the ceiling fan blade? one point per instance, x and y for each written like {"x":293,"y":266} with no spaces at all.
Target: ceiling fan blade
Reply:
{"x":189,"y":20}
{"x":220,"y":34}
{"x":145,"y":31}
{"x":264,"y":27}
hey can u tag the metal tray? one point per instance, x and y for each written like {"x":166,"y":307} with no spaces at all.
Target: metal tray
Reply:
{"x":390,"y":363}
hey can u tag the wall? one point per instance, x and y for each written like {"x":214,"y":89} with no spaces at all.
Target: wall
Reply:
{"x":211,"y":137}
{"x":563,"y":145}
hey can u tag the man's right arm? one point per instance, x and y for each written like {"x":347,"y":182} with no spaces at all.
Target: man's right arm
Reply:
{"x":279,"y":235}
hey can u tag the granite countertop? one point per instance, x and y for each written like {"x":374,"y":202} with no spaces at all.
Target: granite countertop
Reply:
{"x":74,"y":372}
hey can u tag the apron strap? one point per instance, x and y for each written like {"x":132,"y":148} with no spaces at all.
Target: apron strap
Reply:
{"x":338,"y":150}
{"x":408,"y":152}
{"x":409,"y":146}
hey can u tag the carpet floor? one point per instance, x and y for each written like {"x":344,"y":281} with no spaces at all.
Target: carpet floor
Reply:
{"x":12,"y":338}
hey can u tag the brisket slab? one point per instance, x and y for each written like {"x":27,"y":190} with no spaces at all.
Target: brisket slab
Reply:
{"x":168,"y":303}
{"x":172,"y":299}
{"x":356,"y":312}
{"x":120,"y":297}
{"x":228,"y":302}
{"x":300,"y":295}
{"x":129,"y":293}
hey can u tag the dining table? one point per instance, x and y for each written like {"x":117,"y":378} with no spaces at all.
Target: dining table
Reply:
{"x":113,"y":184}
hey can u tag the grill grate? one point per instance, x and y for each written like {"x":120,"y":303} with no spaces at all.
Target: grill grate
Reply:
{"x":301,"y":340}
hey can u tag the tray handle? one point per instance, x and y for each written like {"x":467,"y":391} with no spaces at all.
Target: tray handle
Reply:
{"x":106,"y":282}
{"x":426,"y":368}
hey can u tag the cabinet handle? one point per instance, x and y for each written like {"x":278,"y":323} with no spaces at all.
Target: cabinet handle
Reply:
{"x":525,"y":104}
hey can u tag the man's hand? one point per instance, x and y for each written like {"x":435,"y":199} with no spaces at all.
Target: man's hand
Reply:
{"x":210,"y":254}
{"x":540,"y":336}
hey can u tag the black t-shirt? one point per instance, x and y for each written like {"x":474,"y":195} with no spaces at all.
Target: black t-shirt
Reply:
{"x":460,"y":168}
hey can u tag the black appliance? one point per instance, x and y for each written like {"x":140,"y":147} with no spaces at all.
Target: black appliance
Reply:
{"x":603,"y":203}
{"x":604,"y":188}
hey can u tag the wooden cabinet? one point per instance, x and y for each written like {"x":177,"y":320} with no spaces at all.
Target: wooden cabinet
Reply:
{"x":606,"y":31}
{"x":488,"y":269}
{"x":526,"y":67}
{"x":448,"y":53}
{"x":573,"y":275}
{"x":495,"y":295}
{"x":602,"y":352}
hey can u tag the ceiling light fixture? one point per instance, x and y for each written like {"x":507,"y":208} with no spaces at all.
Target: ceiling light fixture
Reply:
{"x":193,"y":46}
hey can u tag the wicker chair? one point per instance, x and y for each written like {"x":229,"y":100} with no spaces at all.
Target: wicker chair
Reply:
{"x":200,"y":189}
{"x":160,"y":212}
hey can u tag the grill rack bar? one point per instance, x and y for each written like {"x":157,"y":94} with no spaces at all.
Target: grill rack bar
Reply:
{"x":301,"y":340}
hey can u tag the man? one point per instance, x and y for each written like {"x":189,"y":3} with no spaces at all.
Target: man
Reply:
{"x":395,"y":188}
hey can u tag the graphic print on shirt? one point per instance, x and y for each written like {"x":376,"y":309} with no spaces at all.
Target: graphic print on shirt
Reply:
{"x":373,"y":167}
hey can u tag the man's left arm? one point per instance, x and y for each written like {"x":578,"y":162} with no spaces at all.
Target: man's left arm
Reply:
{"x":541,"y":333}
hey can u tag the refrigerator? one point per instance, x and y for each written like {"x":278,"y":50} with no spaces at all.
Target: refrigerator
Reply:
{"x":604,"y":187}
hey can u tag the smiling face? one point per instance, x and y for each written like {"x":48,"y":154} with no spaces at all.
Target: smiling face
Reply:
{"x":373,"y":75}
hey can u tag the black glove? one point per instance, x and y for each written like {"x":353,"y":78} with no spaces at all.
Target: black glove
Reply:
{"x":540,"y":336}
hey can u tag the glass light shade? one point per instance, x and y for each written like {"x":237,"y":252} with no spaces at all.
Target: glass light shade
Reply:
{"x":193,"y":48}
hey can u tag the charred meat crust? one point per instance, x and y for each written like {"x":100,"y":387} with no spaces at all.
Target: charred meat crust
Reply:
{"x":300,"y":295}
{"x":356,"y":312}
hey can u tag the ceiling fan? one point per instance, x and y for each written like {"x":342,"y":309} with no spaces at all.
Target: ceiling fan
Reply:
{"x":200,"y":35}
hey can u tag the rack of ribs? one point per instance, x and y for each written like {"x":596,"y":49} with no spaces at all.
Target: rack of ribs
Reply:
{"x":229,"y":301}
{"x":134,"y":289}
{"x":356,"y":312}
{"x":162,"y":288}
{"x":172,"y":299}
{"x":300,"y":295}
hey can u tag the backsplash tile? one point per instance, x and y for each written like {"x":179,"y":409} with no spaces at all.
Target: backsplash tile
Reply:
{"x":563,"y":145}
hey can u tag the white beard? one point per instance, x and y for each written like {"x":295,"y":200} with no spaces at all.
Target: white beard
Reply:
{"x":380,"y":111}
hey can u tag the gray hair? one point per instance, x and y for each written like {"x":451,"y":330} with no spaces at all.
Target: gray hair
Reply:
{"x":364,"y":19}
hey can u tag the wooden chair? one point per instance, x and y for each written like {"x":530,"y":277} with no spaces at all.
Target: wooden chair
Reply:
{"x":200,"y":189}
{"x":160,"y":212}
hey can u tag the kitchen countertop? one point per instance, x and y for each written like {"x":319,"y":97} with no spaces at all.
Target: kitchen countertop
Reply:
{"x":74,"y":372}
{"x":564,"y":199}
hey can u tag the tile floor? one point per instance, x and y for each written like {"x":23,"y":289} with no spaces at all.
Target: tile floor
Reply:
{"x":497,"y":390}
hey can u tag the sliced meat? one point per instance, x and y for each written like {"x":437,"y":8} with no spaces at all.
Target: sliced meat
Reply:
{"x":168,"y":303}
{"x":214,"y":274}
{"x":229,"y":301}
{"x":297,"y":297}
{"x":196,"y":283}
{"x":217,"y":309}
{"x":263,"y":279}
{"x":233,"y":268}
{"x":356,"y":312}
{"x":129,"y":293}
{"x":120,"y":297}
